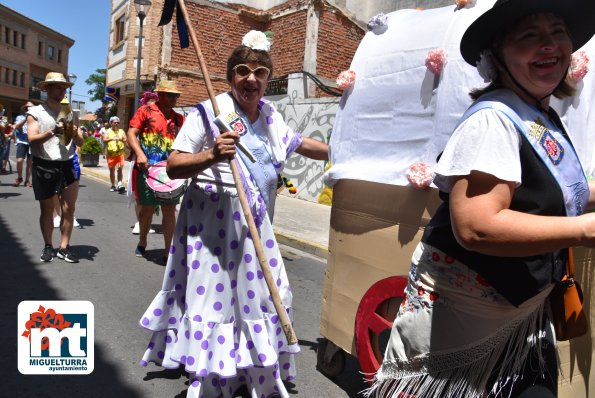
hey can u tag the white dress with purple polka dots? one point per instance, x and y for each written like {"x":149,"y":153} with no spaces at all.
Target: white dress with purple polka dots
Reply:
{"x":214,"y":315}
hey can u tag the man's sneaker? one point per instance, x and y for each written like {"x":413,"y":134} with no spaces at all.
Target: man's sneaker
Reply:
{"x":112,"y":189}
{"x":57,"y":222}
{"x":75,"y":223}
{"x":121,"y":188}
{"x":140,"y":251}
{"x":67,"y":255}
{"x":47,"y":254}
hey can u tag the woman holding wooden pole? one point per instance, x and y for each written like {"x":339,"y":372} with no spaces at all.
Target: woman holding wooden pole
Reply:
{"x":214,"y":314}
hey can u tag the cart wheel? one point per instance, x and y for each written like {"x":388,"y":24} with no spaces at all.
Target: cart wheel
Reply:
{"x":375,"y":314}
{"x":330,"y":359}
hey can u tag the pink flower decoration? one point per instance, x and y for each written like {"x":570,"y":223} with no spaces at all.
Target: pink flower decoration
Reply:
{"x":420,"y":175}
{"x":346,"y":79}
{"x":435,"y":60}
{"x":148,"y":95}
{"x":579,"y":66}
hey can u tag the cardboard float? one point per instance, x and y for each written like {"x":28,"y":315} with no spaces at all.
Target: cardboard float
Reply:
{"x":398,"y":113}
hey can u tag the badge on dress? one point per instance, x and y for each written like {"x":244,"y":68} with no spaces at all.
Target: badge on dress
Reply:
{"x":235,"y":123}
{"x":553,"y":148}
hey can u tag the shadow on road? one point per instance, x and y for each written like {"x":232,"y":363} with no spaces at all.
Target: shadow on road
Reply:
{"x":6,"y":195}
{"x":86,"y":252}
{"x":22,"y":280}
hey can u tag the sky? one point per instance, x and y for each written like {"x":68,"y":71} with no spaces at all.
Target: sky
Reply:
{"x":87,"y":23}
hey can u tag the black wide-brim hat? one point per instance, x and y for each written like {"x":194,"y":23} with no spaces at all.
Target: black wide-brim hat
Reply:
{"x":579,"y":16}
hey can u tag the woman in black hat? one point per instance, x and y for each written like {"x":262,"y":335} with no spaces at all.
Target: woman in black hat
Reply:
{"x":475,"y":320}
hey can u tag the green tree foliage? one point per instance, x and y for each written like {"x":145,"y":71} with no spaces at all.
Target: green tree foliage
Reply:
{"x":97,"y":81}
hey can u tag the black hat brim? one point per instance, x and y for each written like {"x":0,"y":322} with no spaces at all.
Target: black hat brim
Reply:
{"x":579,"y":16}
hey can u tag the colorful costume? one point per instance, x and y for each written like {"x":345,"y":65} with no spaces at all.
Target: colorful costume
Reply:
{"x":473,"y":323}
{"x":157,"y":134}
{"x":214,"y":314}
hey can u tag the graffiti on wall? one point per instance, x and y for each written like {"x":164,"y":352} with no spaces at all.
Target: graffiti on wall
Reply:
{"x":314,"y":118}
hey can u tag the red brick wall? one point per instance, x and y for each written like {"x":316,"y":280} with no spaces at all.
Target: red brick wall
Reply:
{"x":219,"y":31}
{"x":288,"y":42}
{"x":338,"y":38}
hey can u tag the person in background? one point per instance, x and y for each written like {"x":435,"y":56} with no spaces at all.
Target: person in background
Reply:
{"x":7,"y":134}
{"x":57,"y":206}
{"x":102,"y":130}
{"x":115,"y":140}
{"x":475,"y":320}
{"x":53,"y":147}
{"x":147,"y":98}
{"x":22,"y":147}
{"x":218,"y":304}
{"x":151,"y":132}
{"x":97,"y":131}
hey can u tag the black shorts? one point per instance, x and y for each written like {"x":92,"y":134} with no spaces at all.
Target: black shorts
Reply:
{"x":51,"y":177}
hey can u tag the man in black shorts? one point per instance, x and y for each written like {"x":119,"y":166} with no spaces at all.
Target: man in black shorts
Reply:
{"x":52,"y":136}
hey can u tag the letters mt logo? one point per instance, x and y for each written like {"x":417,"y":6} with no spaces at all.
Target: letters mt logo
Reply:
{"x":56,"y":337}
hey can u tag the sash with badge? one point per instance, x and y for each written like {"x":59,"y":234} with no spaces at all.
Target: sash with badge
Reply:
{"x":253,"y":152}
{"x":548,"y":142}
{"x":233,"y":122}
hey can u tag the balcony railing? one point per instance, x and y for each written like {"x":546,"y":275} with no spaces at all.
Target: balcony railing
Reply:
{"x":277,"y":86}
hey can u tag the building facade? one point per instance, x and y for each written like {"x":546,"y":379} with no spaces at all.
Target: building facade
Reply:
{"x":29,"y":50}
{"x":305,"y":38}
{"x":312,"y":38}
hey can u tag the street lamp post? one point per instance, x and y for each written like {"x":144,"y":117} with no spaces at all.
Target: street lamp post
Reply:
{"x":72,"y":79}
{"x":142,"y":8}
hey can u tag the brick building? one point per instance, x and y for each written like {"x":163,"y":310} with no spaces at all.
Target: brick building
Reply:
{"x":315,"y":36}
{"x":29,"y":50}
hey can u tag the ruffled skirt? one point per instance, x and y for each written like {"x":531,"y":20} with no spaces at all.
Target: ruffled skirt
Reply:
{"x":214,"y":315}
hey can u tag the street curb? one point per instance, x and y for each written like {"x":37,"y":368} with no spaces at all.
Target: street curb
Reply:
{"x":298,"y":243}
{"x":88,"y":171}
{"x":283,"y":237}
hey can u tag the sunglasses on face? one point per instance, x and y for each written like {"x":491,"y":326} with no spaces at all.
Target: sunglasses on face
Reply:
{"x":173,"y":95}
{"x":261,"y":73}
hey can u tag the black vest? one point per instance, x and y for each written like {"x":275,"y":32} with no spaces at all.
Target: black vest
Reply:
{"x":516,"y":278}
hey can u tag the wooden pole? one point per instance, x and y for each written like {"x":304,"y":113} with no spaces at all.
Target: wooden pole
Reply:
{"x":262,"y":259}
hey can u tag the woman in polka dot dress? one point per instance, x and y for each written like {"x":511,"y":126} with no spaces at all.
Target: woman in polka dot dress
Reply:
{"x":214,"y":315}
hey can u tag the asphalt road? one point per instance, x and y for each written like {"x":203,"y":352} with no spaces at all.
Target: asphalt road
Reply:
{"x":121,"y":286}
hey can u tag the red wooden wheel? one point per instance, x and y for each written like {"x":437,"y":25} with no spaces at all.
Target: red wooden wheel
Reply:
{"x":375,"y":314}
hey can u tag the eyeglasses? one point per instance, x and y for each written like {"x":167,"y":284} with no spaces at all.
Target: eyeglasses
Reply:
{"x":173,"y":95}
{"x":261,"y":73}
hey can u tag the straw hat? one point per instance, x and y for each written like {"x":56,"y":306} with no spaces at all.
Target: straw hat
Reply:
{"x":54,"y":78}
{"x":167,"y":86}
{"x":577,"y":14}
